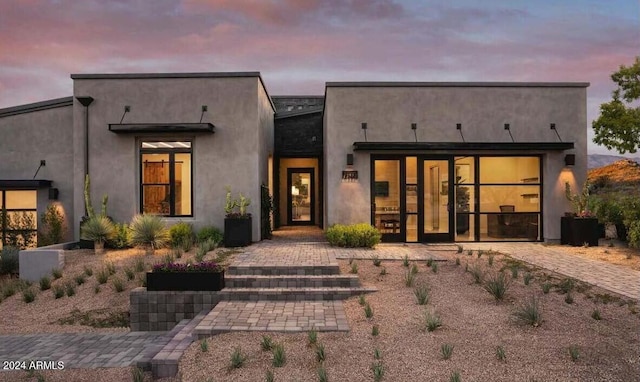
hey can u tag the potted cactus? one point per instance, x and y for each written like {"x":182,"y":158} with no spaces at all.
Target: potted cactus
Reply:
{"x":579,"y":227}
{"x":237,"y":222}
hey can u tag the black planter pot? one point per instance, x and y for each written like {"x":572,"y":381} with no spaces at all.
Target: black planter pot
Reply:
{"x":578,"y":231}
{"x":237,"y":232}
{"x":462,"y":223}
{"x":181,"y":281}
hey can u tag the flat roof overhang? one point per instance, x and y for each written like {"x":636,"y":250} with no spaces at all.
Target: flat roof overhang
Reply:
{"x":131,"y":128}
{"x":462,"y":146}
{"x":24,"y":184}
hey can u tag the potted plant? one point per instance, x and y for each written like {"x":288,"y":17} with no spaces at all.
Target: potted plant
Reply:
{"x":581,"y":226}
{"x":237,"y":222}
{"x":203,"y":276}
{"x":98,"y":229}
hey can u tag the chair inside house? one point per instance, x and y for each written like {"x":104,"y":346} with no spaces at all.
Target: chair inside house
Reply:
{"x":506,"y":219}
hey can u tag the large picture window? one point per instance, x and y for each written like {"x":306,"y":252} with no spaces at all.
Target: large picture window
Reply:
{"x":166,"y":178}
{"x":18,"y":218}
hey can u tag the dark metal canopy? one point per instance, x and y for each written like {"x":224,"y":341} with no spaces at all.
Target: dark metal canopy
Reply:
{"x":129,"y":128}
{"x":462,"y":146}
{"x":24,"y":184}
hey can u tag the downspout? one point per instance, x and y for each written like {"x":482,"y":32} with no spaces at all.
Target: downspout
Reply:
{"x":86,"y":101}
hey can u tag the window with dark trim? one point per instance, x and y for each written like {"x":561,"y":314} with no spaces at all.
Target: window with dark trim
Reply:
{"x":18,"y":218}
{"x":166,"y":178}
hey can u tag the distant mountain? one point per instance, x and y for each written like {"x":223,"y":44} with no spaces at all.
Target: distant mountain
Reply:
{"x":620,"y":175}
{"x":600,"y":160}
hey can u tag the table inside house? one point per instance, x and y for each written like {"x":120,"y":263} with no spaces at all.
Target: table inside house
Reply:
{"x":387,"y":219}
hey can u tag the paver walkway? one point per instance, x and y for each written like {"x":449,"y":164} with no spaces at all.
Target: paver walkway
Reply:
{"x":615,"y":278}
{"x":80,"y":350}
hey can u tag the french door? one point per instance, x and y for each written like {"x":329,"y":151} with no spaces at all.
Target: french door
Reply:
{"x":300,"y":196}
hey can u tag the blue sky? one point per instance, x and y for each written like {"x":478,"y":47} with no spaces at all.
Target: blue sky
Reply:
{"x":298,"y":45}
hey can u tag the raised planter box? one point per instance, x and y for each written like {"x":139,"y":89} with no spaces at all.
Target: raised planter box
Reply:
{"x":237,"y":232}
{"x":185,"y":281}
{"x":578,"y":231}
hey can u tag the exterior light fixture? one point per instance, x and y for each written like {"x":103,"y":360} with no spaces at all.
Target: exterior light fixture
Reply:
{"x":459,"y":128}
{"x":508,"y":128}
{"x":53,"y":193}
{"x":349,"y":175}
{"x":364,"y":129}
{"x":570,"y":159}
{"x":414,"y":127}
{"x":553,"y":127}
{"x":205,"y":108}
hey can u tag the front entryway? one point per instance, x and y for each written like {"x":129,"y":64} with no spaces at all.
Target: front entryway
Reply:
{"x":300,"y":196}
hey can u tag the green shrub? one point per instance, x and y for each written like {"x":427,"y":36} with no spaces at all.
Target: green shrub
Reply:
{"x":362,"y":300}
{"x":368,"y":311}
{"x":497,"y":285}
{"x":567,"y":285}
{"x":527,"y":278}
{"x":279,"y":355}
{"x":118,"y":285}
{"x":529,"y":312}
{"x":45,"y":283}
{"x":422,"y":294}
{"x":70,"y":289}
{"x":320,"y":353}
{"x":79,"y":279}
{"x":478,"y":273}
{"x":378,"y":371}
{"x":596,"y":315}
{"x":322,"y":374}
{"x":57,"y":273}
{"x":431,"y":321}
{"x":354,"y":235}
{"x":568,"y":298}
{"x":88,"y":271}
{"x":269,"y":377}
{"x":58,"y":291}
{"x":434,"y":268}
{"x":546,"y":287}
{"x":122,"y":237}
{"x":354,"y":268}
{"x":405,"y":261}
{"x":455,"y":377}
{"x":446,"y":350}
{"x":633,"y":234}
{"x":137,"y":374}
{"x":111,"y":267}
{"x":28,"y":295}
{"x":237,"y":358}
{"x":129,"y":273}
{"x":457,"y":261}
{"x":312,"y":337}
{"x":500,"y":354}
{"x":375,"y":330}
{"x":574,"y":352}
{"x":149,"y":231}
{"x":98,"y":229}
{"x":204,"y":345}
{"x":9,"y":260}
{"x":181,"y":233}
{"x":409,"y":278}
{"x":53,"y":228}
{"x":139,"y":265}
{"x":376,"y":260}
{"x":210,"y":233}
{"x":102,"y":276}
{"x":267,"y":343}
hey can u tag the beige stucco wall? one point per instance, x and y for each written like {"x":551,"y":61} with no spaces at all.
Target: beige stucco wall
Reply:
{"x":287,"y":163}
{"x":482,"y":111}
{"x":236,"y":155}
{"x":30,"y":137}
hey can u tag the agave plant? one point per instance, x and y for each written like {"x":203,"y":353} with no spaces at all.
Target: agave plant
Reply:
{"x":149,"y":231}
{"x":98,"y":229}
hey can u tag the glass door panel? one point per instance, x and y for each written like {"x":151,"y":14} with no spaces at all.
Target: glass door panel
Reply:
{"x":300,"y":196}
{"x":387,"y":199}
{"x":411,"y":201}
{"x":436,"y":203}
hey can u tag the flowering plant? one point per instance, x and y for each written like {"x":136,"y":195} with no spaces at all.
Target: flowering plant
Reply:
{"x":205,"y":266}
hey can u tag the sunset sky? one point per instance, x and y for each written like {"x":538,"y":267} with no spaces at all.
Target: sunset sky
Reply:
{"x":298,"y":45}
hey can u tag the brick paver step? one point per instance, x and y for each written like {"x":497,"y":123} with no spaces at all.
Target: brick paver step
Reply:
{"x":273,"y":316}
{"x":291,"y":281}
{"x":280,"y":269}
{"x":292,"y":294}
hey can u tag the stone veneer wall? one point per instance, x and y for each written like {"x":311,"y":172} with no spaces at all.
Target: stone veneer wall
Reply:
{"x":162,"y":310}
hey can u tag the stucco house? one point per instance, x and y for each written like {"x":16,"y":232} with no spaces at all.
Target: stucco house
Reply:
{"x":422,"y":162}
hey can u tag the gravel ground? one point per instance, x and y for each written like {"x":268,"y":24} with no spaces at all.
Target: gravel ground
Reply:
{"x":472,"y":322}
{"x":619,"y":254}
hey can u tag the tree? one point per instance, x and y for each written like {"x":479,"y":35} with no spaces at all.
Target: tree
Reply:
{"x":618,"y":126}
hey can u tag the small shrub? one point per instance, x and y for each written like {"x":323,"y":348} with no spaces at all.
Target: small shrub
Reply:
{"x":96,"y":289}
{"x":200,"y":254}
{"x":362,"y":300}
{"x":149,"y":231}
{"x":312,"y":337}
{"x":79,"y":279}
{"x":268,"y":377}
{"x":574,"y":352}
{"x":414,"y":269}
{"x":320,"y":353}
{"x":478,"y":273}
{"x":118,"y":285}
{"x":568,"y":298}
{"x":45,"y":283}
{"x":409,"y":278}
{"x":446,"y":350}
{"x":181,"y":233}
{"x":431,"y":321}
{"x":368,"y":311}
{"x":177,"y":252}
{"x":567,"y":285}
{"x":455,"y":377}
{"x":88,"y":271}
{"x":111,"y":267}
{"x":527,"y":278}
{"x":405,"y":261}
{"x":137,"y":374}
{"x":9,"y":260}
{"x":204,"y":345}
{"x":53,"y":228}
{"x":377,"y":354}
{"x":58,"y":291}
{"x":279,"y":356}
{"x":56,"y":273}
{"x":129,"y":273}
{"x":28,"y":295}
{"x":514,"y":272}
{"x":98,"y":228}
{"x":497,"y":285}
{"x":480,"y":253}
{"x":139,"y":265}
{"x":434,"y":268}
{"x":500,"y":354}
{"x":70,"y":289}
{"x":354,"y":235}
{"x":429,"y":262}
{"x":375,"y":330}
{"x":169,"y":258}
{"x":376,"y":260}
{"x":121,"y":238}
{"x":469,"y":253}
{"x":596,"y":315}
{"x":546,"y":287}
{"x":529,"y":312}
{"x":459,"y":248}
{"x":422,"y":294}
{"x":490,"y":260}
{"x":322,"y":374}
{"x":378,"y":371}
{"x":8,"y":290}
{"x":457,"y":261}
{"x":102,"y":276}
{"x":267,"y":343}
{"x":210,"y":233}
{"x":383,"y":271}
{"x":354,"y":268}
{"x":237,"y":358}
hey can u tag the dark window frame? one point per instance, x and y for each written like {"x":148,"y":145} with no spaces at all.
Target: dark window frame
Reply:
{"x":172,"y":182}
{"x":3,"y":209}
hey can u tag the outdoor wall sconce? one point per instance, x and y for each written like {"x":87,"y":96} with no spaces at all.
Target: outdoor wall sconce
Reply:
{"x":53,"y":193}
{"x":508,"y":128}
{"x":414,"y":127}
{"x":349,"y":175}
{"x":364,"y":129}
{"x":459,"y":128}
{"x":570,"y":159}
